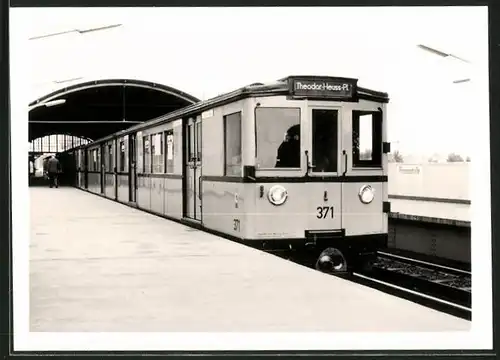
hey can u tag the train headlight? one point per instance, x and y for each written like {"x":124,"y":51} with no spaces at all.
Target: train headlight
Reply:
{"x":366,"y":194}
{"x":277,"y":195}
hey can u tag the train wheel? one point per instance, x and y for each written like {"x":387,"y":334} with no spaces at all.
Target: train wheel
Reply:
{"x":331,"y":261}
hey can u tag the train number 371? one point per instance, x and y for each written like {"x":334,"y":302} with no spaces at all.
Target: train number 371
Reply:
{"x":324,"y":212}
{"x":236,"y":224}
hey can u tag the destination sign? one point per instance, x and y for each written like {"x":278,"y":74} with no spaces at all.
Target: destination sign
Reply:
{"x":338,"y":88}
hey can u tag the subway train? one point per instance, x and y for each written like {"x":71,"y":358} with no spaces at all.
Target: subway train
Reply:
{"x":299,"y":164}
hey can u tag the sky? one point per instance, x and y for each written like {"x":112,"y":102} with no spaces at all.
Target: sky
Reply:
{"x":209,"y":51}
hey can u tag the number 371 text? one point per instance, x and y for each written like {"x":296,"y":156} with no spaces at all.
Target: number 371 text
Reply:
{"x":324,"y":212}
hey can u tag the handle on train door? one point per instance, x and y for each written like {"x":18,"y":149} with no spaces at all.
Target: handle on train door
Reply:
{"x":309,"y":166}
{"x":345,"y":162}
{"x":199,"y":187}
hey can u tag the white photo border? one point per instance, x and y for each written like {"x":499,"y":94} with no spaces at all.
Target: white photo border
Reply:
{"x":479,"y":337}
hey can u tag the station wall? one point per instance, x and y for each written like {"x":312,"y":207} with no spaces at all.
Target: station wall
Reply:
{"x":434,"y":180}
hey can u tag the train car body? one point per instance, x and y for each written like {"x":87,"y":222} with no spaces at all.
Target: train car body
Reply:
{"x":297,"y":164}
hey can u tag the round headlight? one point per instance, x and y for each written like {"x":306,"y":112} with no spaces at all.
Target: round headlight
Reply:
{"x":366,"y":194}
{"x":277,"y":195}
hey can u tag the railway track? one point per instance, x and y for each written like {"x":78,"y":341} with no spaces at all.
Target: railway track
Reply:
{"x":444,"y":288}
{"x":433,"y":302}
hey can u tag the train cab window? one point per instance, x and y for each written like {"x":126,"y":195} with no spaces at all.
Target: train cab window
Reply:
{"x":232,"y":144}
{"x":157,"y":153}
{"x":324,"y":140}
{"x":169,"y":152}
{"x":146,"y":155}
{"x":122,"y":156}
{"x":366,"y":138}
{"x":277,"y":132}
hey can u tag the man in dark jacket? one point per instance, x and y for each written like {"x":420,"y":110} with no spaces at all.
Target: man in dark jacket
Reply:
{"x":52,"y":169}
{"x":289,"y":150}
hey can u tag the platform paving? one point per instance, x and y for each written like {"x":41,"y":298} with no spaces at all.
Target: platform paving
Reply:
{"x":96,"y":265}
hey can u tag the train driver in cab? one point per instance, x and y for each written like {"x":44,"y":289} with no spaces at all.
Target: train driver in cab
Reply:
{"x":324,"y":152}
{"x":289,"y":150}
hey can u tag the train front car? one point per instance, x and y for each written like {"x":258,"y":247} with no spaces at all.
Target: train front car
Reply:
{"x":320,"y":172}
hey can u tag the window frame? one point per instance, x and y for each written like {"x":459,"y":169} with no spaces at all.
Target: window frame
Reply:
{"x":224,"y":124}
{"x":302,"y":147}
{"x":376,"y":162}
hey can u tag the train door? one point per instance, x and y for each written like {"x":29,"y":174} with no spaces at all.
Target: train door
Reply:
{"x":132,"y":166}
{"x":103,"y":168}
{"x":198,"y":171}
{"x":192,"y":184}
{"x":363,"y":195}
{"x":325,"y":168}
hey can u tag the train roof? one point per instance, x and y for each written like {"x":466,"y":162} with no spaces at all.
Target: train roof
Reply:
{"x":296,"y":86}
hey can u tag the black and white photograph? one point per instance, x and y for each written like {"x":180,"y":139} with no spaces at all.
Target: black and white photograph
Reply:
{"x":250,"y":178}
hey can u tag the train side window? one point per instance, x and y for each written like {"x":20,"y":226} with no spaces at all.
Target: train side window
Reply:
{"x":92,"y":160}
{"x":104,"y":150}
{"x":198,"y":141}
{"x":110,"y":158}
{"x":157,"y":153}
{"x":122,"y":156}
{"x":98,"y":160}
{"x":277,"y":132}
{"x":366,"y":138}
{"x":146,"y":155}
{"x":190,"y":142}
{"x":169,"y":136}
{"x":232,"y":144}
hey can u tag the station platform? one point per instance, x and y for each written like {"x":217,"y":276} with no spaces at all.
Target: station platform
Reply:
{"x":430,"y":192}
{"x":428,"y":210}
{"x":96,"y":265}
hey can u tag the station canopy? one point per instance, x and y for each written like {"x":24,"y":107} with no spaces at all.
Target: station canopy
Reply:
{"x":94,"y":109}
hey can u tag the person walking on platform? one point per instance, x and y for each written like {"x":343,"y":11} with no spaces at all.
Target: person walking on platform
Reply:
{"x":53,"y":169}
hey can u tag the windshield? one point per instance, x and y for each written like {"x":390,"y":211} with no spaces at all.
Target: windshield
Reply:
{"x":277,"y":137}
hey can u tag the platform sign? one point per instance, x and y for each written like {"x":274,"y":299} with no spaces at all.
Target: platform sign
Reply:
{"x":410,"y":169}
{"x":320,"y":88}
